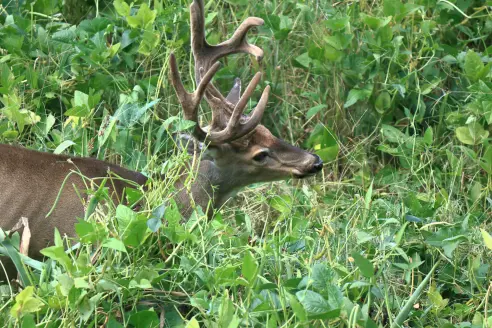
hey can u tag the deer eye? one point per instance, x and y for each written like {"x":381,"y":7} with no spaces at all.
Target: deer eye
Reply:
{"x":261,"y":156}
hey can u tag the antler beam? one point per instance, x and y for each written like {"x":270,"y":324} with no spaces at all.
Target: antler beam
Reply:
{"x":228,"y":121}
{"x":206,"y":54}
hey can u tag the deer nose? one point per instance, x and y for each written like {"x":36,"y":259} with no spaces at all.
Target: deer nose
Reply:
{"x":317,"y":166}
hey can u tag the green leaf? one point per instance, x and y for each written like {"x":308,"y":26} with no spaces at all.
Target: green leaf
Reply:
{"x":383,"y":102}
{"x":472,"y":134}
{"x":487,"y":238}
{"x":26,"y":302}
{"x":429,"y":136}
{"x":226,"y":311}
{"x":90,"y":232}
{"x":145,"y":319}
{"x":63,"y":146}
{"x":122,"y":8}
{"x":365,"y":266}
{"x":339,"y":41}
{"x":438,"y":302}
{"x":81,"y":99}
{"x":58,"y":254}
{"x":332,"y":54}
{"x":78,"y":111}
{"x":322,"y":276}
{"x":486,"y":160}
{"x":392,"y":134}
{"x":428,"y":87}
{"x":328,"y":154}
{"x":304,"y":60}
{"x":473,"y":65}
{"x":316,"y":305}
{"x":336,"y":24}
{"x":143,"y":19}
{"x":357,"y":94}
{"x":65,"y":283}
{"x":392,"y":7}
{"x":375,"y":22}
{"x":250,"y":267}
{"x":150,"y":41}
{"x":297,"y":308}
{"x":315,"y":110}
{"x":193,"y":323}
{"x":28,"y":321}
{"x":155,"y":222}
{"x":115,"y":244}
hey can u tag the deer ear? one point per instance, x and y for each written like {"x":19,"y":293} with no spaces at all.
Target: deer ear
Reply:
{"x":188,"y":143}
{"x":191,"y":145}
{"x":235,"y":93}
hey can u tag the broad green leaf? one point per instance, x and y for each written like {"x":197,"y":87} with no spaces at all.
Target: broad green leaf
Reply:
{"x":80,"y":99}
{"x":365,"y":266}
{"x":143,"y":19}
{"x":322,"y":276}
{"x":472,"y":134}
{"x":226,"y":311}
{"x":339,"y":41}
{"x":63,"y":146}
{"x":122,"y":8}
{"x":304,"y":60}
{"x":375,"y":22}
{"x":393,"y":135}
{"x":115,"y":244}
{"x":193,"y":323}
{"x":58,"y":254}
{"x":429,"y":136}
{"x":487,"y":238}
{"x":150,"y":40}
{"x":313,"y":302}
{"x":250,"y":267}
{"x":486,"y":160}
{"x":336,"y":24}
{"x":316,"y":306}
{"x":145,"y":319}
{"x":438,"y":302}
{"x":383,"y":102}
{"x":332,"y":54}
{"x":297,"y":308}
{"x":473,"y":65}
{"x":475,"y":191}
{"x":26,"y":302}
{"x":315,"y":110}
{"x":90,"y":232}
{"x":28,"y":321}
{"x":357,"y":94}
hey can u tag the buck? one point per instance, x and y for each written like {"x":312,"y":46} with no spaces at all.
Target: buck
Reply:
{"x":49,"y":189}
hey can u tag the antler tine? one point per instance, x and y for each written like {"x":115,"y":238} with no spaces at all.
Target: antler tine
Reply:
{"x":255,"y":118}
{"x":206,"y":54}
{"x":191,"y":101}
{"x":235,"y":129}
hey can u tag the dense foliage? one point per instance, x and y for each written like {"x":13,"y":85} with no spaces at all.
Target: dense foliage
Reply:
{"x":396,"y":97}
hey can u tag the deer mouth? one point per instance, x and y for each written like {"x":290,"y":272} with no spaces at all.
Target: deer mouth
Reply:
{"x":313,"y":170}
{"x":302,"y":175}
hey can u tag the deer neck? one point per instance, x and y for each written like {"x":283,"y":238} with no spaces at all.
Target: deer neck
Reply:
{"x":209,"y":189}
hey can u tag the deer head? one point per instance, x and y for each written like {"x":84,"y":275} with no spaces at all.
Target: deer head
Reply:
{"x":240,"y":150}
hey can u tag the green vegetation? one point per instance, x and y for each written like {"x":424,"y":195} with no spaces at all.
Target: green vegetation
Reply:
{"x":397,"y":98}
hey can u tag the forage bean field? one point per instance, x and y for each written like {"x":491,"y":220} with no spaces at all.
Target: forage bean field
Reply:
{"x":395,"y":97}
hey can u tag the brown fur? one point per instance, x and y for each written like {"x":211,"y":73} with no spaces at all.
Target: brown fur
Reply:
{"x":31,"y":182}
